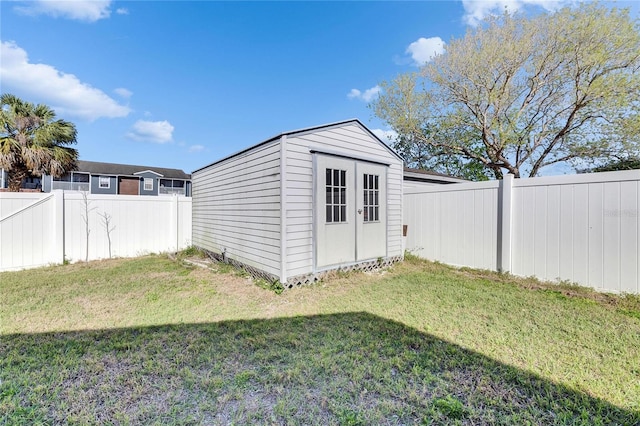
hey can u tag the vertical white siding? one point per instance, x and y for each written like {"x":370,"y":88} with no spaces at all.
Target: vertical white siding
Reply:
{"x":583,"y":229}
{"x":26,"y":230}
{"x":236,"y":207}
{"x":183,"y":223}
{"x":455,"y":224}
{"x":351,"y":140}
{"x":39,"y":229}
{"x":141,"y":225}
{"x":11,"y":202}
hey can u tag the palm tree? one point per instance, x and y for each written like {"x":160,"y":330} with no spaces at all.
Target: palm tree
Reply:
{"x":33,"y":142}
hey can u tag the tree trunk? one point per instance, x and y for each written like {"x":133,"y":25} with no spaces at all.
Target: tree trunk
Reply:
{"x":16,"y":176}
{"x":497,"y":172}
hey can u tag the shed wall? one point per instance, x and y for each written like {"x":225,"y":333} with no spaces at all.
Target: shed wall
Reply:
{"x":236,"y":207}
{"x":354,"y":141}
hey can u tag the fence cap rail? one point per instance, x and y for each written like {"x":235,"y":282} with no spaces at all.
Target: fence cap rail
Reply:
{"x":582,"y":178}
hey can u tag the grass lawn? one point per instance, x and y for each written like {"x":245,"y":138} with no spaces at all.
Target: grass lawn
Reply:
{"x":152,"y":340}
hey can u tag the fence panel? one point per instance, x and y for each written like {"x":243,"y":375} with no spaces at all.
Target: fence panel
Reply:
{"x":27,"y":230}
{"x":455,"y":224}
{"x":184,"y":222}
{"x":583,"y":229}
{"x":138,"y":225}
{"x":39,"y":229}
{"x":10,"y":202}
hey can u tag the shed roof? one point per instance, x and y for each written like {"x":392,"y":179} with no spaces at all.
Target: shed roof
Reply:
{"x":95,"y":167}
{"x":419,"y":175}
{"x":305,"y":130}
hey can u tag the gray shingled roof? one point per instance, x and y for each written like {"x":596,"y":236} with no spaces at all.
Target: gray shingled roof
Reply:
{"x":95,"y":167}
{"x":429,"y":176}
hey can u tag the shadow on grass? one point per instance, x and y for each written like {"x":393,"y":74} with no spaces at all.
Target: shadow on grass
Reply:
{"x":353,"y":368}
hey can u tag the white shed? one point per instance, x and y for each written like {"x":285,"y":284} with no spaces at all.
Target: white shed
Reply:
{"x":303,"y":203}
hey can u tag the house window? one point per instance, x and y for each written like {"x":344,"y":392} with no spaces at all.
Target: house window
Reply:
{"x":336,"y":195}
{"x":168,"y":183}
{"x":171,"y":186}
{"x":371,"y":198}
{"x":64,"y":178}
{"x":80,"y":177}
{"x":148,"y":184}
{"x":104,"y":182}
{"x":73,"y":177}
{"x":73,"y":181}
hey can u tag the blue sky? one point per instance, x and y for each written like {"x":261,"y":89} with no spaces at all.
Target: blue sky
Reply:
{"x":182,"y":84}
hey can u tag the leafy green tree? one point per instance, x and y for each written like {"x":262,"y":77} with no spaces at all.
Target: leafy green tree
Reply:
{"x":437,"y":159}
{"x":515,"y":94}
{"x":630,"y":163}
{"x":33,"y":142}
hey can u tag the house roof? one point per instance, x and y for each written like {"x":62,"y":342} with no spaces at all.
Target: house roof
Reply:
{"x":305,"y":130}
{"x":95,"y":167}
{"x":418,"y":175}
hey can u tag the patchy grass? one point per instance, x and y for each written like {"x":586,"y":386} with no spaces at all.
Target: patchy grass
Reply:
{"x":151,"y":340}
{"x":626,"y":303}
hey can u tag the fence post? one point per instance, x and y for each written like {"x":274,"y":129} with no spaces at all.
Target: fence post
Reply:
{"x":504,"y":226}
{"x":57,"y":226}
{"x":173,"y":235}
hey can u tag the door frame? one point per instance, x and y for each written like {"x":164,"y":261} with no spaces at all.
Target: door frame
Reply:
{"x":314,"y":203}
{"x":130,"y":179}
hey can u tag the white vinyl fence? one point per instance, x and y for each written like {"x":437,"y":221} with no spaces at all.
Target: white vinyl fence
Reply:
{"x":40,"y":229}
{"x":584,"y":229}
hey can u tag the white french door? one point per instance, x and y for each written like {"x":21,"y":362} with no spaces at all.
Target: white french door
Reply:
{"x":350,"y":210}
{"x":371,"y":223}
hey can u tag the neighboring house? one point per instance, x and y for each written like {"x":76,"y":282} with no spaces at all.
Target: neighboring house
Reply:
{"x":125,"y":179}
{"x":31,"y":184}
{"x":303,"y":203}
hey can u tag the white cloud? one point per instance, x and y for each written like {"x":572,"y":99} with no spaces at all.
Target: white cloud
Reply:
{"x":81,"y":10}
{"x":366,"y":96}
{"x":151,"y":131}
{"x":424,"y":49}
{"x":385,"y":135}
{"x":196,"y":148}
{"x":477,"y":10}
{"x":65,"y":93}
{"x":123,"y":93}
{"x":354,"y":93}
{"x":122,"y":11}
